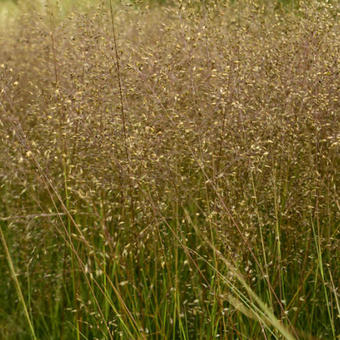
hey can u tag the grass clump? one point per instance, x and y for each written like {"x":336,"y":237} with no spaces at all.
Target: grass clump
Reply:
{"x":170,"y":173}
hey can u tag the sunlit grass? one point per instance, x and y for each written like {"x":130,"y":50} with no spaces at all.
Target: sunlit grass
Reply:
{"x":170,"y":172}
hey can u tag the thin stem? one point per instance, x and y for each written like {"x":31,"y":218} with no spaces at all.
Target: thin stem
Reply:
{"x":17,"y":284}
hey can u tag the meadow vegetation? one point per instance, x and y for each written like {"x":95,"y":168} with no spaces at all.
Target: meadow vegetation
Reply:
{"x":170,"y":172}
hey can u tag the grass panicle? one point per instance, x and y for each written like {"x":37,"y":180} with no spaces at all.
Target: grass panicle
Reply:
{"x":170,"y":171}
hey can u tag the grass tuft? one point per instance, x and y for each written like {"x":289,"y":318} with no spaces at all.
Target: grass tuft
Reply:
{"x":170,"y":171}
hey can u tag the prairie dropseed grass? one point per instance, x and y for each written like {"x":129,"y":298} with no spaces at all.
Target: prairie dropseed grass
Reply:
{"x":170,"y":171}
